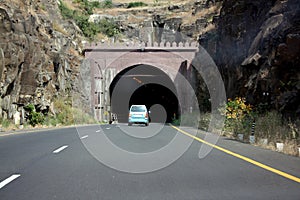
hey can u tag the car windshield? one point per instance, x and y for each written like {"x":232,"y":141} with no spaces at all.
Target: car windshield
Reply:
{"x":137,"y":109}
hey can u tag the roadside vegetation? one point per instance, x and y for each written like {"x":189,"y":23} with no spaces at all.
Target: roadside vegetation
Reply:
{"x":267,"y":126}
{"x":62,"y":114}
{"x":6,"y":124}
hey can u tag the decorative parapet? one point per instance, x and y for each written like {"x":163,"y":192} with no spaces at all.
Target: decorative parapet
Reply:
{"x":142,"y":45}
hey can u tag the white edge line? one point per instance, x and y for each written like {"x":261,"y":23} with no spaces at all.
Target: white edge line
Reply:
{"x":60,"y":149}
{"x":83,"y":137}
{"x":98,"y":131}
{"x":9,"y":179}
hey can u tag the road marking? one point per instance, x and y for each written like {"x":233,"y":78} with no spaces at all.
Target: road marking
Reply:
{"x":83,"y":137}
{"x":98,"y":131}
{"x":108,"y":128}
{"x":60,"y":149}
{"x":261,"y":165}
{"x":8,"y":180}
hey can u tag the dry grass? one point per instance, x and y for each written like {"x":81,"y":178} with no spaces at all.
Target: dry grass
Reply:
{"x":290,"y":147}
{"x":188,"y":18}
{"x":135,"y":20}
{"x":70,"y":4}
{"x":101,"y":36}
{"x":160,"y":5}
{"x":162,"y":2}
{"x":117,"y":11}
{"x":209,"y":28}
{"x":57,"y":27}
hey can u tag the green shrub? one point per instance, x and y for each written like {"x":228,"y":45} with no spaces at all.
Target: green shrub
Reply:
{"x":108,"y":27}
{"x":136,"y":4}
{"x":34,"y":117}
{"x":106,"y":4}
{"x":88,"y":6}
{"x":50,"y":121}
{"x":89,"y":29}
{"x":175,"y":122}
{"x":66,"y":12}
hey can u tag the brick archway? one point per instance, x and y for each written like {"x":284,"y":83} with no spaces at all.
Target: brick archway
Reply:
{"x":107,"y":60}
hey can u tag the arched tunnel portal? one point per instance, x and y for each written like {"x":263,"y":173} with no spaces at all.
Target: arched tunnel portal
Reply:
{"x":140,"y":73}
{"x":144,"y":85}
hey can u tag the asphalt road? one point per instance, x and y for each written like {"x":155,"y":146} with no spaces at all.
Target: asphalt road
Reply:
{"x":60,"y":164}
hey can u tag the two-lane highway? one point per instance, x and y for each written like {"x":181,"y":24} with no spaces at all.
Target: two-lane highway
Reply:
{"x":55,"y":164}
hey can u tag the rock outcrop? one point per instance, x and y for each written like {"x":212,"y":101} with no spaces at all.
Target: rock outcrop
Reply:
{"x":168,"y":22}
{"x":256,"y":45}
{"x":39,"y":55}
{"x":258,"y":52}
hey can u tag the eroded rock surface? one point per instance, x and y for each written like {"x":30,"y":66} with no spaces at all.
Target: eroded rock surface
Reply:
{"x":39,"y":55}
{"x":258,"y":52}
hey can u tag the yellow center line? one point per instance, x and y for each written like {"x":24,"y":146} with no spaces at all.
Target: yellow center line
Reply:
{"x":266,"y":167}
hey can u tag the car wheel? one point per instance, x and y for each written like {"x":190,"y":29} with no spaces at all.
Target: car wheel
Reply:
{"x":147,"y":124}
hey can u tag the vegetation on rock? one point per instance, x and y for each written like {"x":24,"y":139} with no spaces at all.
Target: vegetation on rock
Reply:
{"x":89,"y":29}
{"x":136,"y":4}
{"x":33,"y":116}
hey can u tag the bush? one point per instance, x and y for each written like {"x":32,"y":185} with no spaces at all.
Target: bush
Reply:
{"x":136,"y":4}
{"x":88,"y":6}
{"x":89,"y":29}
{"x":67,"y":115}
{"x":106,"y":4}
{"x":63,"y":112}
{"x":108,"y":27}
{"x":33,"y":116}
{"x":239,"y":116}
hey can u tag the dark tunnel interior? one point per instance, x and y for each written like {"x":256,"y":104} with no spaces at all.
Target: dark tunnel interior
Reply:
{"x":144,"y":85}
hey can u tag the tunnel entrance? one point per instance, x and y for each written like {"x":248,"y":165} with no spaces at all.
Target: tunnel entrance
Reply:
{"x":144,"y":85}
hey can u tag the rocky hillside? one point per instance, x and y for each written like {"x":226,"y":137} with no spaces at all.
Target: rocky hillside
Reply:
{"x":256,"y":45}
{"x":40,"y":41}
{"x":39,"y":55}
{"x":188,"y":17}
{"x":258,"y":52}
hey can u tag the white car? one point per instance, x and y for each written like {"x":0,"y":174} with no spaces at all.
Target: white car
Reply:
{"x":138,"y":114}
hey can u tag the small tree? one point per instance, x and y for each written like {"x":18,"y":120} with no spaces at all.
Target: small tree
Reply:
{"x":239,"y":115}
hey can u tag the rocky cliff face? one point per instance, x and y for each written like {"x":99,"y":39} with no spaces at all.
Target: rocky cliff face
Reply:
{"x":39,"y":55}
{"x":256,"y":45}
{"x":159,"y":23}
{"x":258,"y":52}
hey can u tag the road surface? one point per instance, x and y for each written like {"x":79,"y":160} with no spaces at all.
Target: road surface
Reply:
{"x":55,"y":164}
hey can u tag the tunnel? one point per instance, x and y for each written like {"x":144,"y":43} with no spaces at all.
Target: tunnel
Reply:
{"x":144,"y":85}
